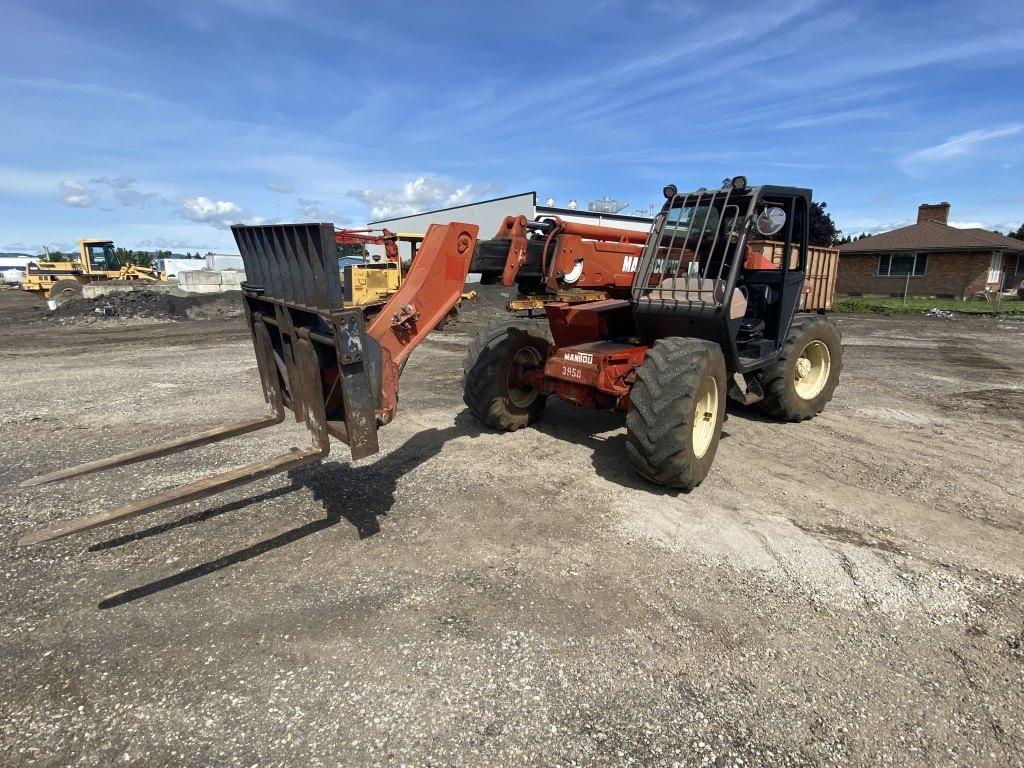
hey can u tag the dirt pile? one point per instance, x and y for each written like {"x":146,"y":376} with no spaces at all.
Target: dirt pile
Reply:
{"x":489,"y":305}
{"x":149,"y":305}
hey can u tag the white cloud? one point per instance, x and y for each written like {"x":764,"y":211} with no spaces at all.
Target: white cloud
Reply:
{"x":957,"y":146}
{"x":132,"y":198}
{"x":420,"y":194}
{"x":992,"y":225}
{"x":284,"y":189}
{"x":876,"y":226}
{"x":75,"y":195}
{"x":117,"y":182}
{"x":170,"y":243}
{"x":219,"y":213}
{"x":314,"y":210}
{"x":836,"y":118}
{"x":127,"y":195}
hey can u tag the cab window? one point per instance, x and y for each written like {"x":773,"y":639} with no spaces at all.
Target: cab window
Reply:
{"x":102,"y":257}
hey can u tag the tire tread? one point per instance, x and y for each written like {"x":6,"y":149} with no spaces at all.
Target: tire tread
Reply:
{"x":483,"y":367}
{"x":780,"y":398}
{"x":658,"y":424}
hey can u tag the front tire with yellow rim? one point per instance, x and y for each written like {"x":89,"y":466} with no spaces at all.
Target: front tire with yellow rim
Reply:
{"x":676,"y":409}
{"x":803,"y":380}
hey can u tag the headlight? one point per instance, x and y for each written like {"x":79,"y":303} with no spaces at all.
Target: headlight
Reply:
{"x":739,"y":183}
{"x":669,"y":191}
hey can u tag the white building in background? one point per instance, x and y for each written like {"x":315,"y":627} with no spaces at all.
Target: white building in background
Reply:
{"x":18,"y":262}
{"x":12,"y":268}
{"x":489,"y":214}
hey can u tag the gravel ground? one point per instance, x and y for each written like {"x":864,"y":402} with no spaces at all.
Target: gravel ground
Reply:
{"x":846,"y":591}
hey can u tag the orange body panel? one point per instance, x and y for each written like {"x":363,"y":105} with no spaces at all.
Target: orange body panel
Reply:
{"x":431,"y":288}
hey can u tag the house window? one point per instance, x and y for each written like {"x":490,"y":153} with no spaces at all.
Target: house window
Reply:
{"x":1020,"y":264}
{"x":902,"y":264}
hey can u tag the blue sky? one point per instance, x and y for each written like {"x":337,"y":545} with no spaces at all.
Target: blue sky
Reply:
{"x":157,"y":123}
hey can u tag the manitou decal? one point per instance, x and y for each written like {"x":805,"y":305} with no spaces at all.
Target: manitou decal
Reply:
{"x":579,"y":357}
{"x":630,"y":263}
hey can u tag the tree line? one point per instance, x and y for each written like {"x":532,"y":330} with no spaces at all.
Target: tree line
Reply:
{"x":145,"y":259}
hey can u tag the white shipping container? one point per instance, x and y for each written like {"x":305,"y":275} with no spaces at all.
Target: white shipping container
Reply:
{"x":218,"y":262}
{"x":174,"y":267}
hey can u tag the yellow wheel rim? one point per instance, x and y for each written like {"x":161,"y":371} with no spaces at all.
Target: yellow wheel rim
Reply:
{"x":812,"y":369}
{"x":705,"y":416}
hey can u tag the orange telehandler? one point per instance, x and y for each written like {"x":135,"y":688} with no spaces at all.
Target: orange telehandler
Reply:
{"x":687,"y":319}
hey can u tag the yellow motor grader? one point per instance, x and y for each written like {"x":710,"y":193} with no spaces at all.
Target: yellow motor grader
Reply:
{"x":96,"y":262}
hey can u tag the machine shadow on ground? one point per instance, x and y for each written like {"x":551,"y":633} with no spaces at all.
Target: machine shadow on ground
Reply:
{"x":361,"y":495}
{"x":592,"y":429}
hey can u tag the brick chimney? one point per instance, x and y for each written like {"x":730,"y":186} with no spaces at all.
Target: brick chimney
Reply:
{"x":937,"y":212}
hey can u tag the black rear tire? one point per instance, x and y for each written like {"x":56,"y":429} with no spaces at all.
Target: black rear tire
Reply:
{"x":672,"y":431}
{"x":795,"y":390}
{"x":488,"y":363}
{"x":65,"y":290}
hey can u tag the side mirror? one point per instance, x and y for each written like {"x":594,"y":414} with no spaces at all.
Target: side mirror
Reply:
{"x":770,"y":221}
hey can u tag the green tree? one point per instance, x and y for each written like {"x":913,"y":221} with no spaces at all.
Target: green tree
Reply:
{"x":824,"y":232}
{"x":351,"y":251}
{"x":138,"y":258}
{"x":56,"y":256}
{"x":1017,"y":234}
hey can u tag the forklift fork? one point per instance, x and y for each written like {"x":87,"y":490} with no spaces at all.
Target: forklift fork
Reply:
{"x":336,"y":367}
{"x":308,"y":405}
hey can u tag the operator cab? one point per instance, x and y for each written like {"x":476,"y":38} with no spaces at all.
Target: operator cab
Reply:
{"x":101,"y":255}
{"x":701,"y":274}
